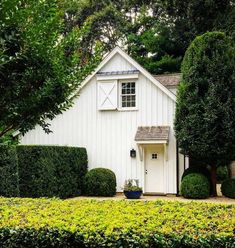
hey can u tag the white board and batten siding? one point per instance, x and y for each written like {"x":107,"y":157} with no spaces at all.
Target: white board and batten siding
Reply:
{"x":109,"y":135}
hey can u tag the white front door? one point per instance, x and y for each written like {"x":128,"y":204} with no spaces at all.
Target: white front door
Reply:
{"x":154,"y":169}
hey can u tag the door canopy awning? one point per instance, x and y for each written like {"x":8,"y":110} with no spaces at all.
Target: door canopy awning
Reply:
{"x":152,"y":134}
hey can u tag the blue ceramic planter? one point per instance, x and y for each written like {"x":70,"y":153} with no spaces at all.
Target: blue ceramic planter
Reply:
{"x":133,"y":194}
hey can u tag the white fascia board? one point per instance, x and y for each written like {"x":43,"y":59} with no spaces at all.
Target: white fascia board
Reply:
{"x":135,"y":64}
{"x":147,"y":74}
{"x":103,"y":63}
{"x":16,"y":133}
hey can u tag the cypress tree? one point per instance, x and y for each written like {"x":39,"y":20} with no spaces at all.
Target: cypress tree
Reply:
{"x":205,"y":110}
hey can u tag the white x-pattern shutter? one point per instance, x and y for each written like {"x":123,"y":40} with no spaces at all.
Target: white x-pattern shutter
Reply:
{"x":107,"y":95}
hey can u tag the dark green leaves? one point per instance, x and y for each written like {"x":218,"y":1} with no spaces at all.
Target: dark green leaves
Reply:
{"x":205,"y":117}
{"x":40,"y":67}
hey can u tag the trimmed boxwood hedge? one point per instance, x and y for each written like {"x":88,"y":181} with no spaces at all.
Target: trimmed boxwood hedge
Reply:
{"x":42,"y":171}
{"x":48,"y":171}
{"x":201,"y":170}
{"x":9,"y":180}
{"x":195,"y":186}
{"x":228,"y":188}
{"x":95,"y":223}
{"x":100,"y":182}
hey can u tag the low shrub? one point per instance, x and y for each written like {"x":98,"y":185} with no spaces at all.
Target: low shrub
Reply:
{"x":100,"y":182}
{"x":55,"y":238}
{"x":222,"y":173}
{"x":9,"y":180}
{"x":228,"y":188}
{"x":201,"y":170}
{"x":51,"y":171}
{"x":195,"y":186}
{"x":90,"y":223}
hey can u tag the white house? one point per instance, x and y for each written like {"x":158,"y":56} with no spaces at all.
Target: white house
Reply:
{"x":124,"y":118}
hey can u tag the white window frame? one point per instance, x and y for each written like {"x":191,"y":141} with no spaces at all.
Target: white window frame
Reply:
{"x":120,"y":82}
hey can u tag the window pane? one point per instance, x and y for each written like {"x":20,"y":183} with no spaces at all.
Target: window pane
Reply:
{"x":124,"y":88}
{"x":128,"y":94}
{"x":128,"y":101}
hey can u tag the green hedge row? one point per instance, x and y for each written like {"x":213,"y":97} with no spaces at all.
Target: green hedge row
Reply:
{"x":43,"y":171}
{"x":48,"y":238}
{"x":9,"y":180}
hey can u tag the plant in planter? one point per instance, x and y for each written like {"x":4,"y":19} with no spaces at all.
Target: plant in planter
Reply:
{"x":132,"y":189}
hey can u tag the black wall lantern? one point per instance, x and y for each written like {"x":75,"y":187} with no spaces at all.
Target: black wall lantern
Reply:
{"x":133,"y":153}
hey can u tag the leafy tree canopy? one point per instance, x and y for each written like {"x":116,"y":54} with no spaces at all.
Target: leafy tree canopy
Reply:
{"x":40,"y":66}
{"x":155,"y":32}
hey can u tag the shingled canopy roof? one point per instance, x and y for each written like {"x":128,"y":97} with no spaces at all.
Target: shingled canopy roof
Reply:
{"x":151,"y":133}
{"x":169,"y":80}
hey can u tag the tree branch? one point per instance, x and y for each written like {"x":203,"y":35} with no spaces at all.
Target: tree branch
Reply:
{"x":6,"y":130}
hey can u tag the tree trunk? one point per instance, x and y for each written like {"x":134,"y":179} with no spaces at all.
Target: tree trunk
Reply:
{"x":4,"y":131}
{"x":213,"y":180}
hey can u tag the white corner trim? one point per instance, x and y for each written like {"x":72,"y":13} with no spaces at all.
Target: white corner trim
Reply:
{"x":135,"y":64}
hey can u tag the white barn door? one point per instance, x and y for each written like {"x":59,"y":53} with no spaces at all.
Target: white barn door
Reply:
{"x":107,"y":95}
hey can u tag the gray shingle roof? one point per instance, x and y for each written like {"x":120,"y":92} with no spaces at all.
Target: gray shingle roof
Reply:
{"x":169,"y":80}
{"x":147,"y":133}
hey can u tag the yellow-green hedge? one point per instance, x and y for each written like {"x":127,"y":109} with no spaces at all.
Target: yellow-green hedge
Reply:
{"x":92,"y":223}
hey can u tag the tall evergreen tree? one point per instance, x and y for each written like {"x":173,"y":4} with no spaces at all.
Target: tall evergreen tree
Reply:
{"x":205,"y":116}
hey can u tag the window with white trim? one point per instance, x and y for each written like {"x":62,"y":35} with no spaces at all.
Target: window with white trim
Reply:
{"x":128,"y":94}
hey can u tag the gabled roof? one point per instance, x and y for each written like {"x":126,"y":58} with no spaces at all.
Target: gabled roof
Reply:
{"x":135,"y":64}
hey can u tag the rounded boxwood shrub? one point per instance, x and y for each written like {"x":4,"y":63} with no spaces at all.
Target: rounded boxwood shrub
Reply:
{"x":100,"y":182}
{"x":199,"y":170}
{"x":228,"y":188}
{"x":195,"y":186}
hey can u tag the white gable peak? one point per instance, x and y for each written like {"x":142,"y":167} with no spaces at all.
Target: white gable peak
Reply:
{"x":117,"y":60}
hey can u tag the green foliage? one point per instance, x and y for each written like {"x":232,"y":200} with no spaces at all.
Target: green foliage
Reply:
{"x":46,"y":237}
{"x":164,"y":64}
{"x":9,"y":180}
{"x":132,"y":185}
{"x":92,"y":223}
{"x":48,"y":171}
{"x":205,"y":117}
{"x":199,"y":170}
{"x":155,"y":32}
{"x":41,"y":67}
{"x":222,"y":173}
{"x":192,"y":18}
{"x":228,"y":188}
{"x":195,"y":186}
{"x":100,"y":182}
